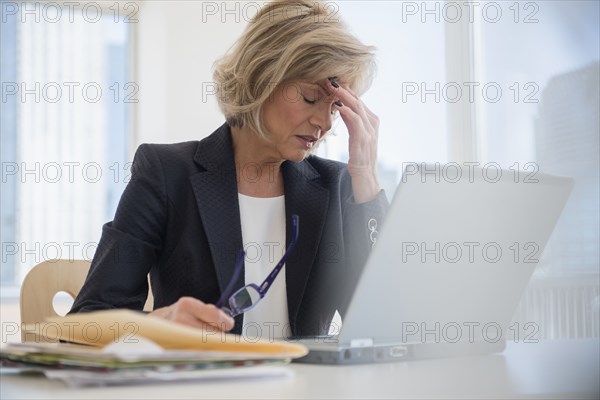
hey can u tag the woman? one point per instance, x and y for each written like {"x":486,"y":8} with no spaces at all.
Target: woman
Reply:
{"x":190,"y":207}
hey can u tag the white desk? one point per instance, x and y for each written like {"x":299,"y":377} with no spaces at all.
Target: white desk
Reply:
{"x":555,"y":369}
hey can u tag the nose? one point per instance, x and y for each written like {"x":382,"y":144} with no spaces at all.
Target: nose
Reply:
{"x":322,"y":117}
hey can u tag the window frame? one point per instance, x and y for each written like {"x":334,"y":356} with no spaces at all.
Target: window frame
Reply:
{"x":11,"y":292}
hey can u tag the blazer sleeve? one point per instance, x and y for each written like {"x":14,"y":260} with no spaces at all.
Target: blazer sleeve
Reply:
{"x":131,"y":244}
{"x":361,"y":224}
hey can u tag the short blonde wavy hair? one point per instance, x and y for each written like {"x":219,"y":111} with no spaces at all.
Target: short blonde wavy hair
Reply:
{"x":288,"y":40}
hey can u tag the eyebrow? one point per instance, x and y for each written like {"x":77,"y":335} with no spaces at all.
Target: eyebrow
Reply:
{"x":322,"y":88}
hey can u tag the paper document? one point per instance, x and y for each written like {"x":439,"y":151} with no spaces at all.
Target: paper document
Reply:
{"x":116,"y":347}
{"x":135,"y":362}
{"x":101,"y":328}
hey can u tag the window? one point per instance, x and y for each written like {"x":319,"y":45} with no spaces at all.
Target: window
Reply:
{"x":544,"y":55}
{"x":413,"y":124}
{"x":65,"y":130}
{"x":545,"y":59}
{"x":515,"y":83}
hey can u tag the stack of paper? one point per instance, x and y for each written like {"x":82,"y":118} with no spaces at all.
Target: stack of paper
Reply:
{"x":122,"y":347}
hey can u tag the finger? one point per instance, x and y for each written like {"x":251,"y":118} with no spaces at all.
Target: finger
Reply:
{"x":346,"y":87}
{"x":351,"y":92}
{"x":359,"y":142}
{"x":373,"y":118}
{"x":217,"y":317}
{"x":206,"y":313}
{"x":368,"y":122}
{"x":182,"y":317}
{"x":347,"y":98}
{"x":357,"y":107}
{"x":176,"y":313}
{"x":351,"y":119}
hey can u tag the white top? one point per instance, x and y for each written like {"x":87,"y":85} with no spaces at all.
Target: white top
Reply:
{"x":263,"y":235}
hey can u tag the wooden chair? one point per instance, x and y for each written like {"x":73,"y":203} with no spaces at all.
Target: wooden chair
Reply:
{"x":43,"y":282}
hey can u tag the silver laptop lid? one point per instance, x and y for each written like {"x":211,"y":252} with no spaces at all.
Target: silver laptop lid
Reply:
{"x":457,"y":249}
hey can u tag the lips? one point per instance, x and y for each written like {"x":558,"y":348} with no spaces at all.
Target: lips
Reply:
{"x":307,"y":141}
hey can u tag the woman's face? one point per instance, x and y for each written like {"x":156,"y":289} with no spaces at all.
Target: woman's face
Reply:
{"x":297,"y":115}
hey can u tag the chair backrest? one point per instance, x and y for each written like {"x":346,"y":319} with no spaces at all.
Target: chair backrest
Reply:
{"x":48,"y":278}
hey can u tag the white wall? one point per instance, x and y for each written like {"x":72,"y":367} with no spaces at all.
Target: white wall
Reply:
{"x":176,"y":45}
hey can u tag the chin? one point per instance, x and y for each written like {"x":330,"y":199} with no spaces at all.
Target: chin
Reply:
{"x":298,"y":157}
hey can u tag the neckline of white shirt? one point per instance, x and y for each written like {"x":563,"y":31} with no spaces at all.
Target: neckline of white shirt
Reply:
{"x":261,"y":198}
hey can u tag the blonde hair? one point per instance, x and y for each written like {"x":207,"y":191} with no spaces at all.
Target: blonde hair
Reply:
{"x":288,"y":40}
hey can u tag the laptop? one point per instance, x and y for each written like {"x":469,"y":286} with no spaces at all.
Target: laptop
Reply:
{"x":451,"y":262}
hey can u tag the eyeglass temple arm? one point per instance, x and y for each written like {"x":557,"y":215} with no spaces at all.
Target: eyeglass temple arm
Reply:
{"x":264,"y":287}
{"x":233,"y":280}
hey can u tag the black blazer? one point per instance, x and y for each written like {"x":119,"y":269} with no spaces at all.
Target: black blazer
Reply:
{"x":178,"y":219}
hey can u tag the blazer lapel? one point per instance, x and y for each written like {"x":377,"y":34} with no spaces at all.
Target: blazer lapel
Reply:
{"x":306,"y":198}
{"x":215,"y":189}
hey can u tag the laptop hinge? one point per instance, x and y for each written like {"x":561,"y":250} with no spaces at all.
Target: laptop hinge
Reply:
{"x":367,"y":342}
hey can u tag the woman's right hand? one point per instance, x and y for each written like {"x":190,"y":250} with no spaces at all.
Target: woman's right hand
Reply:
{"x":193,"y":312}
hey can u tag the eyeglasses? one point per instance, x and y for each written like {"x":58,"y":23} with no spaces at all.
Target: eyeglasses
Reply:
{"x":246,"y":298}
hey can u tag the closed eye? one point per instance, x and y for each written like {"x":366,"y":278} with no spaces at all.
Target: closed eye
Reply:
{"x":309,"y":101}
